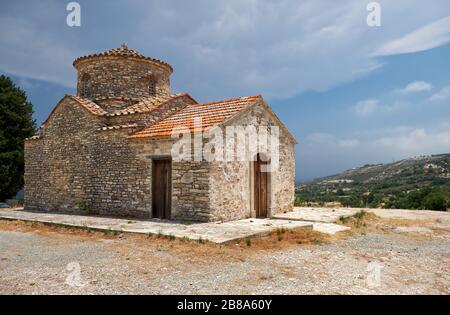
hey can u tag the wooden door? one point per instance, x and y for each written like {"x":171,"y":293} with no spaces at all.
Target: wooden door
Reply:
{"x":261,"y":190}
{"x":161,"y":188}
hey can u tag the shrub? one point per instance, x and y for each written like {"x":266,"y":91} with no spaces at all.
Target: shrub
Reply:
{"x":81,"y":205}
{"x":435,"y":201}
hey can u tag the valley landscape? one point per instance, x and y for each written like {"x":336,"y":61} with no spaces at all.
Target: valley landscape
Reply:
{"x":415,"y":183}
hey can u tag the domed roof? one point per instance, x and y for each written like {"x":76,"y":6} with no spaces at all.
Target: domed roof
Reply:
{"x":123,"y":51}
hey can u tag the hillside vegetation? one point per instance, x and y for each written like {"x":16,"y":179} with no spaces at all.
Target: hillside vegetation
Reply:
{"x":415,"y":183}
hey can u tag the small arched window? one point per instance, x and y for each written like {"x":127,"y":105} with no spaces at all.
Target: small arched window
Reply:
{"x":151,"y":85}
{"x":85,"y":85}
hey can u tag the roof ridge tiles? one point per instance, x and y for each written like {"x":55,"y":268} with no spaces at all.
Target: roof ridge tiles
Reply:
{"x":123,"y":51}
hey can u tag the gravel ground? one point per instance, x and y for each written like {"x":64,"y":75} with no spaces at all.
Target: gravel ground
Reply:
{"x":379,"y":259}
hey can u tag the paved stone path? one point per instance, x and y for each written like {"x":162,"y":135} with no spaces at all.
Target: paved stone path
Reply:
{"x":319,"y":219}
{"x":323,"y":218}
{"x":440,"y":216}
{"x":326,"y":215}
{"x":213,"y":232}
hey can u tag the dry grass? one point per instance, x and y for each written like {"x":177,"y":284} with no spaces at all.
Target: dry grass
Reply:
{"x":282,"y":238}
{"x":364,"y":223}
{"x":55,"y":230}
{"x":361,"y":223}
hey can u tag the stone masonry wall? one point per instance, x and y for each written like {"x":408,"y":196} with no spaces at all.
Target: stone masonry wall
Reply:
{"x":57,"y":164}
{"x":115,"y":77}
{"x":231,"y":183}
{"x":190,"y":180}
{"x":120,"y":182}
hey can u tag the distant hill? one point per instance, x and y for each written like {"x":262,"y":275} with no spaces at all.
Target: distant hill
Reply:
{"x":421,"y":182}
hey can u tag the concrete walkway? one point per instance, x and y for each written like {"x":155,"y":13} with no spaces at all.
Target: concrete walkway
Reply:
{"x":323,"y":218}
{"x":325,"y":215}
{"x":213,"y":232}
{"x":319,"y":219}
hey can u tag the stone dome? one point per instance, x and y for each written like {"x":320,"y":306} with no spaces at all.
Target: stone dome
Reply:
{"x":121,"y":73}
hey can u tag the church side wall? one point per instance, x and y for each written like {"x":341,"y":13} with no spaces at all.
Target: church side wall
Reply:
{"x":120,"y":182}
{"x":57,"y":165}
{"x":232,"y":182}
{"x":190,"y":179}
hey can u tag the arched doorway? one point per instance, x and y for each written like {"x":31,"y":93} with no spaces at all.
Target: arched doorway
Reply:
{"x":261,"y":186}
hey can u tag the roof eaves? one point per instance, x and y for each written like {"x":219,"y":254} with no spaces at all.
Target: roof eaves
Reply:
{"x":76,"y":99}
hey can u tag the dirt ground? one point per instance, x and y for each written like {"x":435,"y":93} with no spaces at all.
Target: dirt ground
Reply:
{"x":377,"y":256}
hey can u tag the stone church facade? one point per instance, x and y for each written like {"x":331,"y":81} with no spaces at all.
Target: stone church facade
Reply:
{"x":109,"y":149}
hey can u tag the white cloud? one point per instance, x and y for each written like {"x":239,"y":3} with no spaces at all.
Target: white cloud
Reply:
{"x":348,"y":143}
{"x":366,"y":107}
{"x":330,"y":140}
{"x":442,"y":95}
{"x":397,"y":142}
{"x":30,"y":52}
{"x":320,"y":137}
{"x":220,"y":49}
{"x":416,"y":142}
{"x":396,"y":106}
{"x":416,"y":86}
{"x":371,"y":106}
{"x":374,"y":146}
{"x":427,"y":37}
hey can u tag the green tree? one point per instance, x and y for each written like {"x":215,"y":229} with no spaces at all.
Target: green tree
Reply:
{"x":435,"y":201}
{"x":16,"y":124}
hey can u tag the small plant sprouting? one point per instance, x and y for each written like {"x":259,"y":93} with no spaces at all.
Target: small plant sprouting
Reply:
{"x":281,"y":231}
{"x":343,"y":219}
{"x":317,"y":241}
{"x":80,"y":205}
{"x":360,"y":215}
{"x":359,"y":218}
{"x":248,"y":241}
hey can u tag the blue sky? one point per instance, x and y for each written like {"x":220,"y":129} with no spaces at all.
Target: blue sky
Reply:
{"x":351,"y":94}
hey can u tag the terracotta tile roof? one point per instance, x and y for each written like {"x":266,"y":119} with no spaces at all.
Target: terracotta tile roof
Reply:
{"x":89,"y":105}
{"x":148,"y":104}
{"x":123,"y":51}
{"x":210,"y":113}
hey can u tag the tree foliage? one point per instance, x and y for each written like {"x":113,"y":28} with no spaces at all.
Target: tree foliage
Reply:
{"x":16,"y":124}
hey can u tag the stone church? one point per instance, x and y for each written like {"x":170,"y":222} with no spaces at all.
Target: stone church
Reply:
{"x":108,"y":150}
